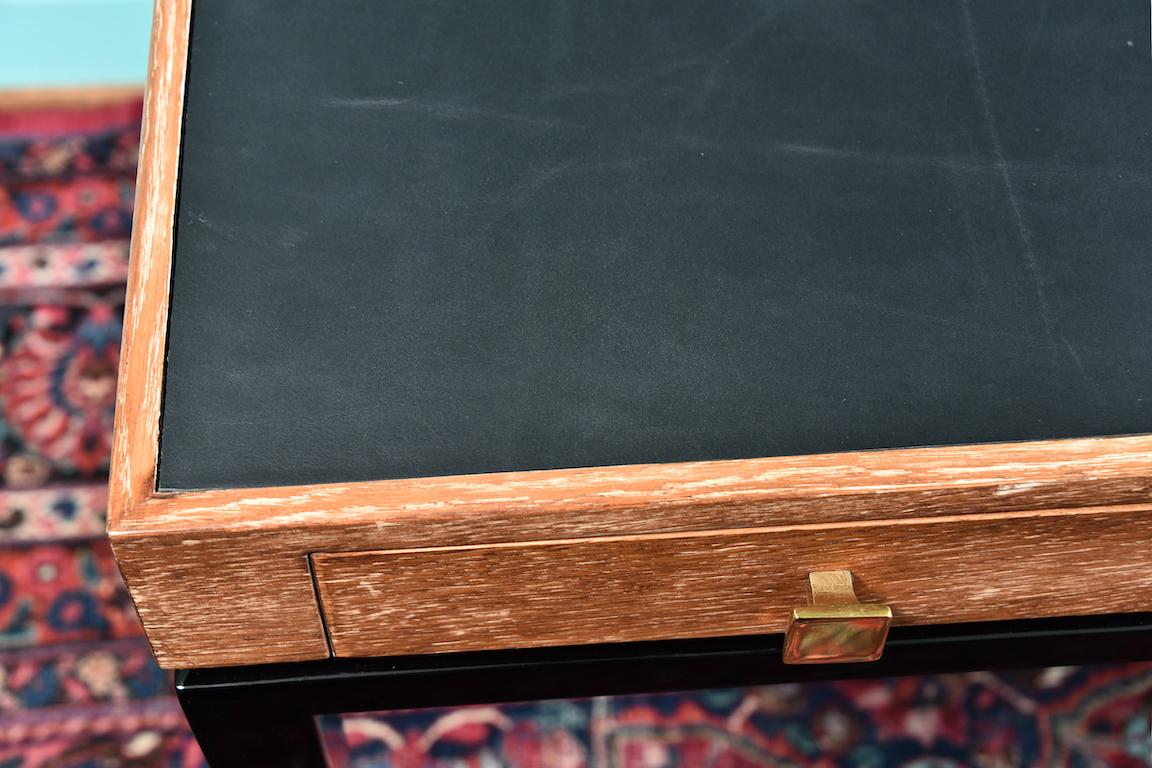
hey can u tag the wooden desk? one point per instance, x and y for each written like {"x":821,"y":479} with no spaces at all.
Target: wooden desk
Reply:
{"x":474,"y":326}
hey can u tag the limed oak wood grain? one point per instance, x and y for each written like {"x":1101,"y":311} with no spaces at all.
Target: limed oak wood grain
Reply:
{"x":241,"y":554}
{"x":729,"y":582}
{"x":141,"y":377}
{"x":167,"y":590}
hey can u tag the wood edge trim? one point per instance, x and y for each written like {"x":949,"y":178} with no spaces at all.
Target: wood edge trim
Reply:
{"x":216,"y":659}
{"x":975,"y":519}
{"x":136,"y":430}
{"x":358,"y":548}
{"x":999,"y":468}
{"x":68,"y":97}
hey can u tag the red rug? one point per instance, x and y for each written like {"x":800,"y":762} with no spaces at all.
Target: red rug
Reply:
{"x":1087,"y":717}
{"x":79,"y":689}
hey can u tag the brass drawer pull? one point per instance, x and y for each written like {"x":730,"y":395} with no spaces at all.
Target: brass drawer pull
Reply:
{"x":836,"y":627}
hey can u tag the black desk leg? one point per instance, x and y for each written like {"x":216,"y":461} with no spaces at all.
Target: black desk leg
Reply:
{"x":252,"y":727}
{"x":257,"y":717}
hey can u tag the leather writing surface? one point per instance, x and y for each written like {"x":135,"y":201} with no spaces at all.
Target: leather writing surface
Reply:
{"x":425,"y":237}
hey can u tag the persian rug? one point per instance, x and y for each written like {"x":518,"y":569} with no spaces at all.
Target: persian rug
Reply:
{"x":79,"y":688}
{"x":1075,"y":717}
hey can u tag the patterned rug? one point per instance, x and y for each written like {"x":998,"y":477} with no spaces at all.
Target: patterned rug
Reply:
{"x":1081,"y":717}
{"x":79,"y":689}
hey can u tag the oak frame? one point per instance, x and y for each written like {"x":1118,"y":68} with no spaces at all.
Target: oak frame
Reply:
{"x":244,"y":556}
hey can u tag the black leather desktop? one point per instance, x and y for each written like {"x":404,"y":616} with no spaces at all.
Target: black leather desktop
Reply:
{"x":427,"y":237}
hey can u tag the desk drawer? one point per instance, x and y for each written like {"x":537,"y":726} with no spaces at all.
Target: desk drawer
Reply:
{"x":732,"y":582}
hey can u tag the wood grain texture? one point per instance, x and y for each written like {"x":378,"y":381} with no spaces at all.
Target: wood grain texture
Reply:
{"x":239,"y":556}
{"x":822,"y":488}
{"x":137,"y":428}
{"x":222,"y":532}
{"x":729,"y":582}
{"x":209,"y":603}
{"x":217,"y":607}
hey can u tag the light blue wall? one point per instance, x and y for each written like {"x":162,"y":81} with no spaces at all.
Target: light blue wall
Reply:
{"x":73,"y":42}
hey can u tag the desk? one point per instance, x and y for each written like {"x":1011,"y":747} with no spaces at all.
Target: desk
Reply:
{"x":469,"y":328}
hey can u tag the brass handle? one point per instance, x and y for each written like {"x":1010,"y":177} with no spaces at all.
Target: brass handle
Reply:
{"x":836,"y":627}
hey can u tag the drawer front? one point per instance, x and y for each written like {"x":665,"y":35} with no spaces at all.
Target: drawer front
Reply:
{"x":731,"y":582}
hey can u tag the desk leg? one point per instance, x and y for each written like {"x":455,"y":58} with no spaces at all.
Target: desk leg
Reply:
{"x":252,"y":727}
{"x":257,"y":717}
